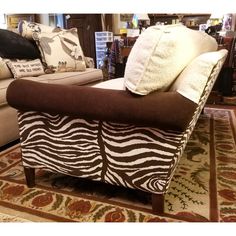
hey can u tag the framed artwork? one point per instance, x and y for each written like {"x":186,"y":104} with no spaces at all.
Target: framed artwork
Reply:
{"x":126,"y":17}
{"x":13,"y":20}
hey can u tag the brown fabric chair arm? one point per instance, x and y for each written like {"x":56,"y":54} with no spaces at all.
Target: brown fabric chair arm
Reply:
{"x":165,"y":110}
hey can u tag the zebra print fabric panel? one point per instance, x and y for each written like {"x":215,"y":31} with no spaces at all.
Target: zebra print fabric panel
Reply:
{"x":60,"y":144}
{"x":126,"y":155}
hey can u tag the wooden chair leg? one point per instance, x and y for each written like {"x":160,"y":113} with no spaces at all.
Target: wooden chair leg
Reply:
{"x":30,"y":176}
{"x":158,"y":203}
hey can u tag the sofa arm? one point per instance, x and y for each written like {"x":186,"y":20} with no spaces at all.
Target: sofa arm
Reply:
{"x":165,"y":110}
{"x":89,"y":62}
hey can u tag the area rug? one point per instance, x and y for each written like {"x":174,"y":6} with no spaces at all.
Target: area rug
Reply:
{"x":10,"y":218}
{"x":203,"y":188}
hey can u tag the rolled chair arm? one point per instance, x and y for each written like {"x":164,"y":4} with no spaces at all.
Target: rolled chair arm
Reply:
{"x":165,"y":110}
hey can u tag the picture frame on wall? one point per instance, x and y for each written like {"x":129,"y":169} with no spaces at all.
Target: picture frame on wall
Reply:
{"x":13,"y":20}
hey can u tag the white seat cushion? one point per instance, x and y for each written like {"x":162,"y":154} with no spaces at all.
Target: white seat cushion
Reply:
{"x":117,"y":84}
{"x":160,"y":54}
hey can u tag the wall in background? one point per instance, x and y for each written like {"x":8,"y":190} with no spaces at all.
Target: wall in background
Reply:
{"x":3,"y":22}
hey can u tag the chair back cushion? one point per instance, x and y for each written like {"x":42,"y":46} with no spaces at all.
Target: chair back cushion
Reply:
{"x":160,"y":54}
{"x":193,"y":79}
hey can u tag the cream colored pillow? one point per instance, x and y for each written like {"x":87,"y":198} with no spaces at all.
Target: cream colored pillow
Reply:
{"x":5,"y":73}
{"x":160,"y":54}
{"x":193,"y":79}
{"x":24,"y":68}
{"x":61,"y":50}
{"x":26,"y":28}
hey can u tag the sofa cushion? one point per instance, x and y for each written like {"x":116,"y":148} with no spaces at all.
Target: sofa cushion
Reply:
{"x":193,"y":79}
{"x":21,"y":69}
{"x":13,"y":45}
{"x":160,"y":54}
{"x":4,"y":70}
{"x":90,"y":75}
{"x":3,"y":88}
{"x":61,"y":50}
{"x":26,"y":28}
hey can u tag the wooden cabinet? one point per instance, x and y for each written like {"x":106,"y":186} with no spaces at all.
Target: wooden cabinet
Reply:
{"x":87,"y":25}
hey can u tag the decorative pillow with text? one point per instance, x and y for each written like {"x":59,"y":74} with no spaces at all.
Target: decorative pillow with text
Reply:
{"x":21,"y":69}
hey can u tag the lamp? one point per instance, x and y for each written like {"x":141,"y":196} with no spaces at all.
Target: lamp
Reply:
{"x":142,"y":21}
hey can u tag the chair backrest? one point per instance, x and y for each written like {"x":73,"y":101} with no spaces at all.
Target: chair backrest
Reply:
{"x":203,"y":98}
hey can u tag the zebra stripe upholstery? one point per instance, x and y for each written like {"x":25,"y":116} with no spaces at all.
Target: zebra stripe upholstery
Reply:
{"x":128,"y":155}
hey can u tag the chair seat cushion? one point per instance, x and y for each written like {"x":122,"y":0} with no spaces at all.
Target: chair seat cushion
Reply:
{"x":117,"y":84}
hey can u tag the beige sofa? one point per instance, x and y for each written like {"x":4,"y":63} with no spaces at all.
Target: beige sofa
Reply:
{"x":8,"y":115}
{"x":62,"y":61}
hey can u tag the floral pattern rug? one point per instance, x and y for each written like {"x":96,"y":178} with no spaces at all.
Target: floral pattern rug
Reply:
{"x":203,"y":188}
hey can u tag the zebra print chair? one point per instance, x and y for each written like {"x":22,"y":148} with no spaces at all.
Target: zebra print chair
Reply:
{"x":106,"y":135}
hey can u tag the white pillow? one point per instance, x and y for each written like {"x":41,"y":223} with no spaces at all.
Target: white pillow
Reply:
{"x":61,"y":50}
{"x":24,"y":68}
{"x":160,"y":54}
{"x":193,"y":79}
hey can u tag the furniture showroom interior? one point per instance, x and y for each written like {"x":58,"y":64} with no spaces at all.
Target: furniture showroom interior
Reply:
{"x":118,"y":117}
